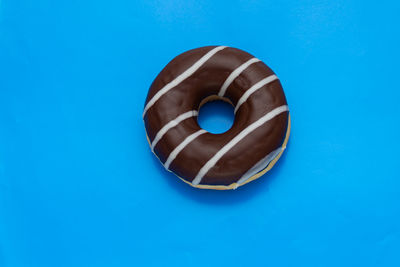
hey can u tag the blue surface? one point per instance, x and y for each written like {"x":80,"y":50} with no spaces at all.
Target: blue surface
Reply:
{"x":79,"y":186}
{"x":216,"y":116}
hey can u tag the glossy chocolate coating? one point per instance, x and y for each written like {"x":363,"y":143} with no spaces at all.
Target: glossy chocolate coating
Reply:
{"x":188,"y":95}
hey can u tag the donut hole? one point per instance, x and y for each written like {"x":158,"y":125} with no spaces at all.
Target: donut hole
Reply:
{"x":216,"y":114}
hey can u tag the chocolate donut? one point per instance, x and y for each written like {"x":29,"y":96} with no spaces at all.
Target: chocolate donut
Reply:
{"x":246,"y":151}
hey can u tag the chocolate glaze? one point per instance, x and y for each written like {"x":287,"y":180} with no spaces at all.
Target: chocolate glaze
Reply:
{"x":188,"y":95}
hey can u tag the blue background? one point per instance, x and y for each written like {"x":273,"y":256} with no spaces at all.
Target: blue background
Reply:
{"x":80,"y":187}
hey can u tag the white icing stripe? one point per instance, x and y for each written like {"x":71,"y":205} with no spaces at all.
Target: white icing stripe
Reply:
{"x":182,"y":77}
{"x":172,"y":124}
{"x":254,"y":88}
{"x":259,"y":166}
{"x":181,"y":146}
{"x":235,"y":74}
{"x":270,"y":115}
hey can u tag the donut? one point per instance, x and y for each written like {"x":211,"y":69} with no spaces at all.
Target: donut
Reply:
{"x":246,"y":151}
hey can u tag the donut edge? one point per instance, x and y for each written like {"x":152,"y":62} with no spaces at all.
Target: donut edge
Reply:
{"x":252,"y":178}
